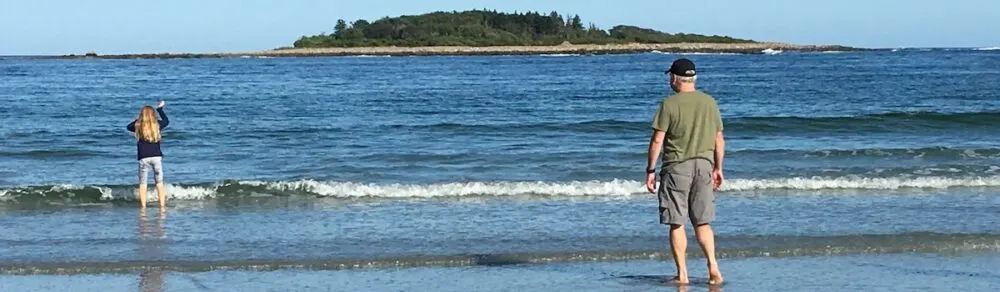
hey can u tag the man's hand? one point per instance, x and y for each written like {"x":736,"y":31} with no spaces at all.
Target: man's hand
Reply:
{"x":717,"y":179}
{"x":651,"y":182}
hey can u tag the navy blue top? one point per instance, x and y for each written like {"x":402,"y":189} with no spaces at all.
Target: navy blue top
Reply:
{"x":147,"y":149}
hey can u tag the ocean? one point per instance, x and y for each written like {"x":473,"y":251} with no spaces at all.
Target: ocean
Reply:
{"x":877,"y":171}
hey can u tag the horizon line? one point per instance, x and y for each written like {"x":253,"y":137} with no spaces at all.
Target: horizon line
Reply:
{"x":250,"y":52}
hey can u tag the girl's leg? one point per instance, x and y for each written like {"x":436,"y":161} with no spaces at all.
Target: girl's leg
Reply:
{"x":141,"y":193}
{"x":161,"y":192}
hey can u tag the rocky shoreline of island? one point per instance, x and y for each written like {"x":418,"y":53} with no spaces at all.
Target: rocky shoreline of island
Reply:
{"x":582,"y":49}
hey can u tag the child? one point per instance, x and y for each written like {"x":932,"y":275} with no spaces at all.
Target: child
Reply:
{"x":147,"y":132}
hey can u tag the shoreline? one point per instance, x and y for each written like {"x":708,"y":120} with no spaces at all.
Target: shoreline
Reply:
{"x":586,"y":49}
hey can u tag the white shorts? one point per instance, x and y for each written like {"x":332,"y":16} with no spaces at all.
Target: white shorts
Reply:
{"x":156,"y":163}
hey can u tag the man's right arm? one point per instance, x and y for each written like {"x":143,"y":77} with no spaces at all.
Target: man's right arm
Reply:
{"x":720,"y":139}
{"x":720,"y":149}
{"x":661,"y":123}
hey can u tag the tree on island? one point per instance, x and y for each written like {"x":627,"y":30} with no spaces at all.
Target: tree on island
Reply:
{"x":576,"y":23}
{"x":338,"y":29}
{"x":490,"y":28}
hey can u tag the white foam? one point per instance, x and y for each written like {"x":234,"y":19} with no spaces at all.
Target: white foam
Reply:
{"x":65,"y":187}
{"x":356,"y":190}
{"x":988,"y":49}
{"x":861,"y":183}
{"x":610,"y":188}
{"x":173,"y":192}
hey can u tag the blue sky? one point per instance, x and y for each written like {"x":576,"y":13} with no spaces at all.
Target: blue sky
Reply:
{"x":38,"y":27}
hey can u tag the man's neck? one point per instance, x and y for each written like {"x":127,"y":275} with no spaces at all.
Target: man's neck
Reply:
{"x":685,"y":89}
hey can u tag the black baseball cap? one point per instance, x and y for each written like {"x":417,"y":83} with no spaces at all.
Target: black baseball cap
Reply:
{"x":682,"y":67}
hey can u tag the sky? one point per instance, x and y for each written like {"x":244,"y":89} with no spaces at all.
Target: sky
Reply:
{"x":56,"y":27}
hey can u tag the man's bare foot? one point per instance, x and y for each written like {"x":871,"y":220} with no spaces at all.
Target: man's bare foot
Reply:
{"x":679,"y":280}
{"x":715,"y":277}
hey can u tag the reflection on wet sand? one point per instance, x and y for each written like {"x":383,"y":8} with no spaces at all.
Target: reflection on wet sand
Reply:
{"x":698,"y":284}
{"x":711,"y":288}
{"x":151,"y":245}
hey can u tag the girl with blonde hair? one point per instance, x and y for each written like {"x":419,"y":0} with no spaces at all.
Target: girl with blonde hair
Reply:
{"x":147,"y":133}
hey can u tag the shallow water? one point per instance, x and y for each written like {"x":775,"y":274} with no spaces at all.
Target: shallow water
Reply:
{"x":388,"y":171}
{"x":328,"y":233}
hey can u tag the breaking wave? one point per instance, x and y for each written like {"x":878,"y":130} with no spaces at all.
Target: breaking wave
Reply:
{"x":77,"y":194}
{"x":885,"y":122}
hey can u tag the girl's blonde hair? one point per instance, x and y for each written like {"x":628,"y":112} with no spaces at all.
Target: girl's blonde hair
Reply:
{"x":147,"y":127}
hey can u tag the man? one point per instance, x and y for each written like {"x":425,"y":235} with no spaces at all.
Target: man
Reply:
{"x":690,"y":124}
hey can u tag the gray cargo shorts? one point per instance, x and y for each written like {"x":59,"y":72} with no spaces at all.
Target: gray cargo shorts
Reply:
{"x":156,"y":163}
{"x":686,"y":191}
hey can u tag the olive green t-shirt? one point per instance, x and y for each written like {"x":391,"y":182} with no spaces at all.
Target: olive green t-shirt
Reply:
{"x":691,"y":121}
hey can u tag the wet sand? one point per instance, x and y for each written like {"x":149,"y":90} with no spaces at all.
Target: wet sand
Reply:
{"x":885,"y":272}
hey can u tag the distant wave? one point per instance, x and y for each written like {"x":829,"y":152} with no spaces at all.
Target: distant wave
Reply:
{"x":560,"y":55}
{"x":886,"y":122}
{"x":76,"y":194}
{"x":36,"y":154}
{"x":907,"y":153}
{"x":972,"y":118}
{"x":588,"y":126}
{"x":922,"y":152}
{"x":689,"y":53}
{"x":968,"y":49}
{"x":901,"y":121}
{"x":629,"y":248}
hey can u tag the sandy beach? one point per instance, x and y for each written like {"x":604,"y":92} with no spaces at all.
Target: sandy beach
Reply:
{"x":737,"y":48}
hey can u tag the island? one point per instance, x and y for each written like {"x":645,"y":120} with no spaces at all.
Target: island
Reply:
{"x":488,"y":32}
{"x":481,"y":28}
